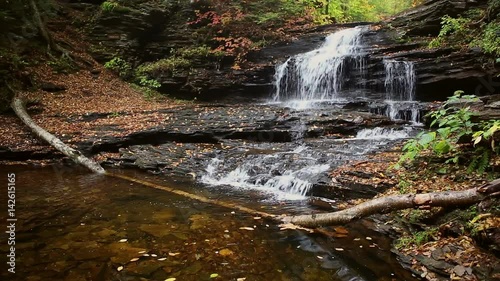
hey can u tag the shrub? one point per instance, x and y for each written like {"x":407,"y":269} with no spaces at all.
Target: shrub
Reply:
{"x":120,"y":67}
{"x":149,"y":83}
{"x":489,"y":40}
{"x":454,"y":124}
{"x":108,"y":6}
{"x":452,"y":29}
{"x":171,"y":65}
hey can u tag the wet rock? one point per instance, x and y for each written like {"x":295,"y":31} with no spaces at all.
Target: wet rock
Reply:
{"x":88,"y":251}
{"x":143,"y":268}
{"x":122,"y":252}
{"x":165,"y":215}
{"x":425,"y":19}
{"x":346,"y":189}
{"x":199,"y":221}
{"x":51,"y":87}
{"x":439,"y":267}
{"x":157,"y":230}
{"x":213,"y":124}
{"x":106,"y":233}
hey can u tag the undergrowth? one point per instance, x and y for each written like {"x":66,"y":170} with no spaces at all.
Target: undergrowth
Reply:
{"x":457,"y":137}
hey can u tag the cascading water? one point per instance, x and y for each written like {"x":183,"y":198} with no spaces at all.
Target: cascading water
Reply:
{"x":289,"y":170}
{"x":320,"y":74}
{"x":400,"y":81}
{"x":288,"y":175}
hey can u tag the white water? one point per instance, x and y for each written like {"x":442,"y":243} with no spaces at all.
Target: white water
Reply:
{"x":301,"y":82}
{"x":318,"y":75}
{"x":260,"y":172}
{"x":400,"y":82}
{"x":379,"y":133}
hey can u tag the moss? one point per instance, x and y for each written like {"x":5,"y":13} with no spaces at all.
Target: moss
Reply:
{"x":417,"y":238}
{"x":148,"y":93}
{"x":62,"y":65}
{"x":168,"y":65}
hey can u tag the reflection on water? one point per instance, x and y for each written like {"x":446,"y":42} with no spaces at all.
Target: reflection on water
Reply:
{"x":77,"y":226}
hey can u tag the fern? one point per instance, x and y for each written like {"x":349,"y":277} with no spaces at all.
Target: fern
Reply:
{"x":484,"y":161}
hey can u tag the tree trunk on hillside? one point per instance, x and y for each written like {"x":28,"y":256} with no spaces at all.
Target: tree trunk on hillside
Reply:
{"x":399,"y":202}
{"x":37,"y":18}
{"x":73,"y":154}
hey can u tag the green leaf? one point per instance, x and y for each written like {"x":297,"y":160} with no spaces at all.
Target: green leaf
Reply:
{"x":477,"y":140}
{"x":444,"y":132}
{"x":442,"y":147}
{"x":491,"y":131}
{"x":425,"y":139}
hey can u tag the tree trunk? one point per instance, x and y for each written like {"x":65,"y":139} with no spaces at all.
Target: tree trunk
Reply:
{"x":37,"y":18}
{"x":399,"y":202}
{"x":73,"y":154}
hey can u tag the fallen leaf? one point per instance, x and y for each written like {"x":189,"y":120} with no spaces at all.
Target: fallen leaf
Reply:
{"x":134,"y":259}
{"x":120,"y":268}
{"x":225,"y":252}
{"x":246,"y":228}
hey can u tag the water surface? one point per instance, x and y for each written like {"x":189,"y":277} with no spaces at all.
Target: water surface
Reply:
{"x":73,"y":225}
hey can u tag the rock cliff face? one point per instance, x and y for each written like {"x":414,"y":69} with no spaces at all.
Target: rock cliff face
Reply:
{"x":146,"y":32}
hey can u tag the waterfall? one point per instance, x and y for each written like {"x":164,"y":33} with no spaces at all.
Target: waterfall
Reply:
{"x":400,"y":81}
{"x":320,"y":74}
{"x":329,"y":73}
{"x":288,"y":175}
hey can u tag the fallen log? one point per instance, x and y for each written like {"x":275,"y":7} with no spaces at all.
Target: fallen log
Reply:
{"x":399,"y":202}
{"x":75,"y":155}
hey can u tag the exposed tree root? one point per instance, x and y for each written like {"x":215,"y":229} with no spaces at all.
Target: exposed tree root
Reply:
{"x":51,"y":44}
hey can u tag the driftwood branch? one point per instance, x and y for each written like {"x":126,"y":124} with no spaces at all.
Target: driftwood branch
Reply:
{"x":73,"y":154}
{"x":399,"y":202}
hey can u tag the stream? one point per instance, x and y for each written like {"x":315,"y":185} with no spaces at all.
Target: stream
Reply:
{"x":73,"y":225}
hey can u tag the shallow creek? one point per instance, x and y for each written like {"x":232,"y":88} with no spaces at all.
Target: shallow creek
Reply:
{"x":73,"y":225}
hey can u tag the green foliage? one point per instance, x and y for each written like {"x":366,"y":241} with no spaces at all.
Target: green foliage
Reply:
{"x":148,"y":93}
{"x":454,"y":122}
{"x":452,"y":30}
{"x":120,"y":67}
{"x":198,"y":52}
{"x":404,"y":185}
{"x":62,"y":65}
{"x":108,"y":6}
{"x":489,"y":41}
{"x":417,"y":238}
{"x":142,"y":82}
{"x":168,"y":65}
{"x":471,"y":30}
{"x":149,"y":83}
